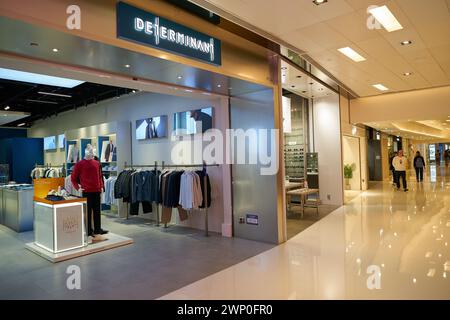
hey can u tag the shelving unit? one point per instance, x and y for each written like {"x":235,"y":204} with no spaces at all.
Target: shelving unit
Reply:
{"x":295,"y":142}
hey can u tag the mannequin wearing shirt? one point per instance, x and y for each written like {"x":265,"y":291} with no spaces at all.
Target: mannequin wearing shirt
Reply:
{"x":87,"y":177}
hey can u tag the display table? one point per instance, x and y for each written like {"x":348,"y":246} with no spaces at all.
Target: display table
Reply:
{"x":16,"y":208}
{"x":59,"y":225}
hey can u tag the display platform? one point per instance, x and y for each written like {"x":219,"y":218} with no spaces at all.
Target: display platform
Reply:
{"x":112,"y":241}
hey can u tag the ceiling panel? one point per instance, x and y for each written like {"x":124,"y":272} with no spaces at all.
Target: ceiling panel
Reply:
{"x":320,"y":30}
{"x":350,"y":26}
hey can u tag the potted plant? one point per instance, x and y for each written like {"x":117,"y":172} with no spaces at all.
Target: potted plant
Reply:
{"x":348,"y":174}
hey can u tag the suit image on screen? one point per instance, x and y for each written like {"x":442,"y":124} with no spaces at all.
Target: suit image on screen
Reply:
{"x":202,"y":120}
{"x":108,"y":151}
{"x":151,"y":128}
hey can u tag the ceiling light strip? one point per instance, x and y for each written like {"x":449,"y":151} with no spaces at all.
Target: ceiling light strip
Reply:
{"x":55,"y":94}
{"x":41,"y":101}
{"x":385,"y":17}
{"x":352,"y":54}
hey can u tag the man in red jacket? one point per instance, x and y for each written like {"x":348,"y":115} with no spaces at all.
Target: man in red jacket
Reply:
{"x":87,"y":177}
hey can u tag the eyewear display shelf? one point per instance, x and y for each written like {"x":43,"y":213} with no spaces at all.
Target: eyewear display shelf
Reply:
{"x":59,"y":231}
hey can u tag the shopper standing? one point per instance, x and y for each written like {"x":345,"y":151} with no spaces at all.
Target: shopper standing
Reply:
{"x":394,"y":178}
{"x":399,"y":164}
{"x":419,"y":165}
{"x":87,"y":177}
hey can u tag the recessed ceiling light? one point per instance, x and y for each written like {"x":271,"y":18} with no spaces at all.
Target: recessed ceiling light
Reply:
{"x":21,"y":124}
{"x":384,"y":16}
{"x":55,"y":50}
{"x":380,"y":87}
{"x":180,"y":77}
{"x":7,"y":108}
{"x":407,"y":73}
{"x":283,"y":68}
{"x":134,"y":91}
{"x":319,"y":2}
{"x":406,"y":42}
{"x":219,"y":86}
{"x":352,"y":54}
{"x":55,"y":94}
{"x":127,"y":66}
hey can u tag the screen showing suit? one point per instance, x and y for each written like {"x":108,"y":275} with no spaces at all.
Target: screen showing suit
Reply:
{"x":151,"y":128}
{"x":194,"y":121}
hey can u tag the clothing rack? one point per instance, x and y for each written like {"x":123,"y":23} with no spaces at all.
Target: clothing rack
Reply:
{"x":166,"y":166}
{"x":48,"y":166}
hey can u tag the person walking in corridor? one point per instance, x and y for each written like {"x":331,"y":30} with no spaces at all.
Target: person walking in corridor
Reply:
{"x":419,"y":165}
{"x":399,"y":163}
{"x":391,"y":167}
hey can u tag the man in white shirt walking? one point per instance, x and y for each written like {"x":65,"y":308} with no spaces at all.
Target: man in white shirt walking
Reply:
{"x":399,"y":164}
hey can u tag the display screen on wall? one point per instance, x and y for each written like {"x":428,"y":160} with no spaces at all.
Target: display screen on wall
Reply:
{"x":61,"y":141}
{"x":50,"y":143}
{"x":151,"y":128}
{"x":194,"y":121}
{"x":432,"y":149}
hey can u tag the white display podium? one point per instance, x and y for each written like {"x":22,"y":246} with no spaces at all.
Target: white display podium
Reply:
{"x":59,"y":226}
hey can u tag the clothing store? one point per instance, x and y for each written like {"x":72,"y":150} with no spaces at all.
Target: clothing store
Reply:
{"x":104,"y":154}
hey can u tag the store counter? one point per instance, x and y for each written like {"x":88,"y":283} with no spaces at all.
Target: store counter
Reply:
{"x":59,"y":225}
{"x":16,"y":207}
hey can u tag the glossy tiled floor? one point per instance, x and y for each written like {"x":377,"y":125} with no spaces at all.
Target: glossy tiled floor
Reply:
{"x":400,"y":238}
{"x":158,"y":262}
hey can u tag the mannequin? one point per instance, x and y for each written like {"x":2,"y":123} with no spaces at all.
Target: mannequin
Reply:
{"x":87,"y":177}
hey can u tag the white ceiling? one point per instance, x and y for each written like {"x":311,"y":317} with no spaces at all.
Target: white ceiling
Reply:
{"x":10,"y":116}
{"x":318,"y":31}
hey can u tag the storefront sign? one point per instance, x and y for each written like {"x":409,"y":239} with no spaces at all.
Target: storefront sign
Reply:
{"x":252,"y":219}
{"x":143,"y":27}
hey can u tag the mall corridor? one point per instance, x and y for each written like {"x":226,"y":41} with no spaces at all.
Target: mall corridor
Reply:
{"x":405,"y":235}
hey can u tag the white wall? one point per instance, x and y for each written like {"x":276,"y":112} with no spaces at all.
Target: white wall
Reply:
{"x":327,"y":140}
{"x":142,"y":105}
{"x":412,"y":105}
{"x":350,"y":148}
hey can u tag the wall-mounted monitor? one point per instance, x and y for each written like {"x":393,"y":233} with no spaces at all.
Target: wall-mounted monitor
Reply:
{"x":50,"y":143}
{"x":151,"y":128}
{"x":194,"y":121}
{"x":61,"y":141}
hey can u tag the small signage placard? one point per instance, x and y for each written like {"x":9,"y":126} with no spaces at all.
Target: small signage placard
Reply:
{"x":252,"y":219}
